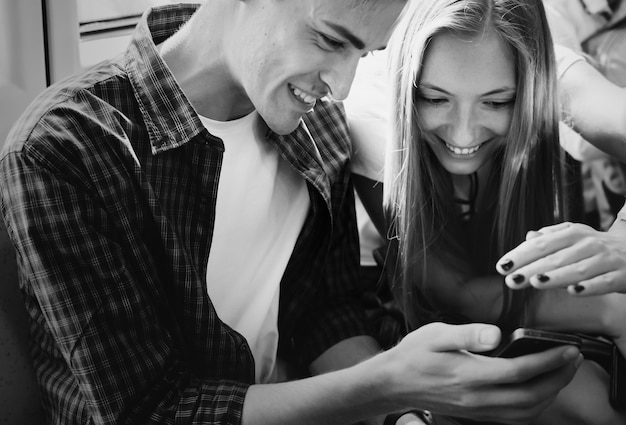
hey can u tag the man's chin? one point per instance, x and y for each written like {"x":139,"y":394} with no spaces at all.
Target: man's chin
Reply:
{"x":284,"y":128}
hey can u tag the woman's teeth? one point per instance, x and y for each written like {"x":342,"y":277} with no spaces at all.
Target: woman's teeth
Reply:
{"x":463,"y":151}
{"x":304,"y":97}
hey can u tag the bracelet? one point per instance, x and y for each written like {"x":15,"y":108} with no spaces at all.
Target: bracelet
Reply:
{"x":392,"y":418}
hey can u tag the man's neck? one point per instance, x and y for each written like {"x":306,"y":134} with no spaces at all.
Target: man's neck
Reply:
{"x":195,"y":55}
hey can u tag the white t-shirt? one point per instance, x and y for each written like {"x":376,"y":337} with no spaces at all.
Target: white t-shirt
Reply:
{"x":261,"y":206}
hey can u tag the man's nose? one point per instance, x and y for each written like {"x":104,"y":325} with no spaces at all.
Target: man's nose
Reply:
{"x":339,"y":76}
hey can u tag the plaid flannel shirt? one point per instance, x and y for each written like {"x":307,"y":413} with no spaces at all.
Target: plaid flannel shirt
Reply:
{"x":108,"y":185}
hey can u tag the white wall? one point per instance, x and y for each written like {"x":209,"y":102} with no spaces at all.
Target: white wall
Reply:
{"x":22,"y":65}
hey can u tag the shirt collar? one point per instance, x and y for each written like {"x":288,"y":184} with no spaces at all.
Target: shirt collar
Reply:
{"x":170,"y":118}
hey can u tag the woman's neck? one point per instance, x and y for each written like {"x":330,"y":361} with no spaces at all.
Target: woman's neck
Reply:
{"x":463,"y":186}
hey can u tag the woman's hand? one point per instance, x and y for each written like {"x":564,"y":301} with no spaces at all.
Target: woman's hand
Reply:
{"x":569,"y":255}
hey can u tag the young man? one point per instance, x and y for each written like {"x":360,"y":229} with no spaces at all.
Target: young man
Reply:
{"x":184,"y":225}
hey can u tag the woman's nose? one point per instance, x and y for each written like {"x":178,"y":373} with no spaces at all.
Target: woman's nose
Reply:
{"x":461,"y":128}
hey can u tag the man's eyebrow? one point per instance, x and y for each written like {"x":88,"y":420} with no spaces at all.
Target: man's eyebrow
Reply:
{"x":353,"y":39}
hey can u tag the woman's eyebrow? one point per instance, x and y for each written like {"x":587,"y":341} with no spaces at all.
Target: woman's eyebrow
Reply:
{"x":500,"y":90}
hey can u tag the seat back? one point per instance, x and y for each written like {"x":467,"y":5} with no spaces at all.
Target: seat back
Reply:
{"x":20,"y":401}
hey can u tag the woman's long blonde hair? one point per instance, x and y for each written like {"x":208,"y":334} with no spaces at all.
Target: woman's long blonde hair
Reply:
{"x":526,"y":172}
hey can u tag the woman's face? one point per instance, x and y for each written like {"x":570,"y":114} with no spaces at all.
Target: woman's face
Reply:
{"x":465,"y":98}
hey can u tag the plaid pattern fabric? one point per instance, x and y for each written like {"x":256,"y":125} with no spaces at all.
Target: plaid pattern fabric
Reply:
{"x":108,"y":185}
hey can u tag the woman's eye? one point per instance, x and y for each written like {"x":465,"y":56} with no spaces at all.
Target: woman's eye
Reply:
{"x":500,"y":104}
{"x":432,"y":100}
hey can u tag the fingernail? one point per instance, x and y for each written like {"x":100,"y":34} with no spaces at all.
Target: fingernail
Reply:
{"x":542,"y":278}
{"x":506,"y":265}
{"x":579,"y":288}
{"x":533,"y":234}
{"x":579,"y":360}
{"x":572,"y":353}
{"x":518,"y":279}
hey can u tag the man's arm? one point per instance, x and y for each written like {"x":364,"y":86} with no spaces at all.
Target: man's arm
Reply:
{"x":347,"y":353}
{"x":120,"y":356}
{"x":433,"y":368}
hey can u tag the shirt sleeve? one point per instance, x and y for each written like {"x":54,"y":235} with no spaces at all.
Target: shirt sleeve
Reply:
{"x":334,"y":311}
{"x":107,"y":349}
{"x":565,"y":58}
{"x":579,"y":148}
{"x":337,"y":312}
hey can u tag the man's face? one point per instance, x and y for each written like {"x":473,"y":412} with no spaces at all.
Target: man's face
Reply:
{"x":287,"y":54}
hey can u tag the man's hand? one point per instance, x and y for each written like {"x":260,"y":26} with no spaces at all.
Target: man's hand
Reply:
{"x":437,"y":368}
{"x":569,"y":255}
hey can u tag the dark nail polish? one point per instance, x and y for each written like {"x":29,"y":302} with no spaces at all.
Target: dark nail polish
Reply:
{"x":506,"y":265}
{"x":542,"y":278}
{"x":518,"y":278}
{"x":579,"y":288}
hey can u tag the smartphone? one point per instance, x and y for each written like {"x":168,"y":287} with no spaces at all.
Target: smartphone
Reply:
{"x":527,"y":341}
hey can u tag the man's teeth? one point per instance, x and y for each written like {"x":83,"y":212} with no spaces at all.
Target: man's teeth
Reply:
{"x":463,"y":151}
{"x":306,"y":98}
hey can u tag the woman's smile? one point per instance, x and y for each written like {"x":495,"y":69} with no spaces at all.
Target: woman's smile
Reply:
{"x":463,"y":151}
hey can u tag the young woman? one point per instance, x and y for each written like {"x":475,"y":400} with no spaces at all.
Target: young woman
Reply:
{"x":474,"y":160}
{"x":472,"y":164}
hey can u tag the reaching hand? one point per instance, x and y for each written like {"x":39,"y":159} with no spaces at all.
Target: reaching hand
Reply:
{"x":568,"y":255}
